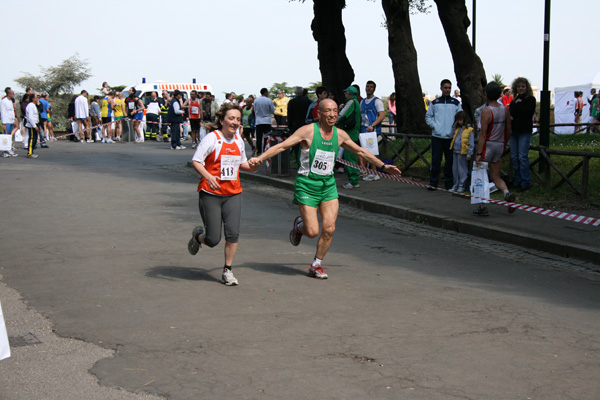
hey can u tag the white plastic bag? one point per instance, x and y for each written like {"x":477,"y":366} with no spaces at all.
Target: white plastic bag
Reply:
{"x":18,"y":136}
{"x":4,"y":347}
{"x":5,"y":142}
{"x":368,"y":141}
{"x":480,"y":186}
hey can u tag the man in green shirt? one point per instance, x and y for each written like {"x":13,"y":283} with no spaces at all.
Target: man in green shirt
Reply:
{"x":349,"y":120}
{"x":315,"y":189}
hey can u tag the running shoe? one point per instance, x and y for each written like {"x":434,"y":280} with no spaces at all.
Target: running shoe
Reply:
{"x":348,"y":185}
{"x":510,"y":197}
{"x":109,"y":140}
{"x":159,"y":139}
{"x":33,"y":156}
{"x":194,"y":245}
{"x":481,"y":211}
{"x":295,"y":234}
{"x":12,"y":153}
{"x":375,"y":177}
{"x":44,"y":145}
{"x":5,"y":154}
{"x":194,"y":145}
{"x":228,"y":278}
{"x":316,"y":272}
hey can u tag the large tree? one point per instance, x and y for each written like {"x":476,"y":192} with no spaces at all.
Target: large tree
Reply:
{"x":470,"y":75}
{"x":60,"y":79}
{"x":402,"y":52}
{"x":328,"y":30}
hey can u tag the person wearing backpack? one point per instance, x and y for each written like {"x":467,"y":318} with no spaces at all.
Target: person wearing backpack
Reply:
{"x":349,"y":120}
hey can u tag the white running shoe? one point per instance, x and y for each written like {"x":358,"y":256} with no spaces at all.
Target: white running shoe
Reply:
{"x":348,"y":185}
{"x":375,"y":177}
{"x":109,"y":140}
{"x":317,"y":272}
{"x":33,"y":156}
{"x":228,"y":278}
{"x":12,"y":153}
{"x":90,"y":141}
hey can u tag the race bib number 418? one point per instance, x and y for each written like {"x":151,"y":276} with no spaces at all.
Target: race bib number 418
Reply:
{"x":230,"y":166}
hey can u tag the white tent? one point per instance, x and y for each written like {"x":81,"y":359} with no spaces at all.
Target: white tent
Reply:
{"x":564,"y":101}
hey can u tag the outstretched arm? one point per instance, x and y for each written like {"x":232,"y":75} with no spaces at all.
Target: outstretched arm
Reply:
{"x":297,"y":137}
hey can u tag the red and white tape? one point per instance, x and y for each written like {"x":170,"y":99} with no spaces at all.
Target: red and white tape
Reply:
{"x":276,"y":140}
{"x":537,"y":210}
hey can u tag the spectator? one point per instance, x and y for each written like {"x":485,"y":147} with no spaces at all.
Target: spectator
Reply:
{"x":263,"y":109}
{"x":153,"y":116}
{"x":281,"y":112}
{"x":119,"y":113}
{"x":578,"y":107}
{"x":175,"y":117}
{"x":32,"y":124}
{"x":596,"y":113}
{"x":507,"y":97}
{"x":214,"y":108}
{"x":44,"y":118}
{"x":456,"y":95}
{"x":105,"y":89}
{"x":82,"y":116}
{"x":392,"y":111}
{"x":96,"y":115}
{"x":349,"y":121}
{"x":135,"y":111}
{"x":440,"y":117}
{"x":164,"y":117}
{"x":372,"y":115}
{"x":312,"y":115}
{"x":248,"y":122}
{"x":108,"y":104}
{"x":462,"y":146}
{"x":229,"y":98}
{"x":7,"y":115}
{"x":297,"y":111}
{"x":496,"y":129}
{"x":522,"y":110}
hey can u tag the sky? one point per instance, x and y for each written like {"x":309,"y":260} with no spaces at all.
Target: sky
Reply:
{"x":242,"y":46}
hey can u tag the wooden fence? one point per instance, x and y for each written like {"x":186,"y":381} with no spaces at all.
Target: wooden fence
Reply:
{"x":409,"y":153}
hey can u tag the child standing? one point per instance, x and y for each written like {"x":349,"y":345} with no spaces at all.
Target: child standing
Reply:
{"x":462,"y":149}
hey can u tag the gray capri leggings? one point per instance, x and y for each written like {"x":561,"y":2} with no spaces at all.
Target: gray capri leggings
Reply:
{"x":217,"y":211}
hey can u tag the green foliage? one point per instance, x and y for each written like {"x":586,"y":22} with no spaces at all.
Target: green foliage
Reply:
{"x":498,"y":79}
{"x":60,"y":79}
{"x":283,"y":86}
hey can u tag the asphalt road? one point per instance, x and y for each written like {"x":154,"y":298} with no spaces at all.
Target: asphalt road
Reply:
{"x":94,"y":239}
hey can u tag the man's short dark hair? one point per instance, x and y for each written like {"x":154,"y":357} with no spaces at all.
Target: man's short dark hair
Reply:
{"x":372,"y":83}
{"x":492,"y":91}
{"x":444,"y":81}
{"x":320,"y":90}
{"x":7,"y":89}
{"x":305,"y":92}
{"x":264,"y":91}
{"x":357,"y":88}
{"x":83,"y":91}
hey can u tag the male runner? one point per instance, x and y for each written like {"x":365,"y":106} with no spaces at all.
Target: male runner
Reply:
{"x":194,"y":107}
{"x":315,"y":184}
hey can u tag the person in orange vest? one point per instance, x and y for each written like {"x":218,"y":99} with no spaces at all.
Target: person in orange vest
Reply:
{"x":194,"y":107}
{"x":218,"y":159}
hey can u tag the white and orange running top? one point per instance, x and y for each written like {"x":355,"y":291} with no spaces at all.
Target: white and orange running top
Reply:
{"x":221,"y":158}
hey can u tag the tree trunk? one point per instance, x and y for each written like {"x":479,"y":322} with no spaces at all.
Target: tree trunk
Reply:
{"x":470,"y":75}
{"x":328,"y":30}
{"x":409,"y":96}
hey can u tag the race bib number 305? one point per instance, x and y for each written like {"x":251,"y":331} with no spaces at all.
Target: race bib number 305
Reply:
{"x":323,"y":163}
{"x":230,"y":166}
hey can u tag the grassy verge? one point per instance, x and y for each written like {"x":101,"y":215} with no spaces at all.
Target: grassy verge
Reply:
{"x":561,"y":198}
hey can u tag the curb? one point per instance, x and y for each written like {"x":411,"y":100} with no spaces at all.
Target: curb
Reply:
{"x":535,"y":242}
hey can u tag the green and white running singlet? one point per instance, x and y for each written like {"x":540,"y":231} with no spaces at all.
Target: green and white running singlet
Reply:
{"x":315,"y":182}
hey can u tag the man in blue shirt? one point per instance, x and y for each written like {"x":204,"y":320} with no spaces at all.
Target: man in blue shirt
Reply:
{"x":263,"y":109}
{"x":44,"y":119}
